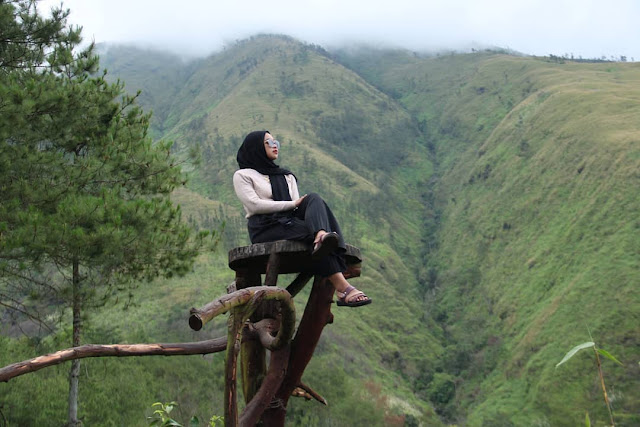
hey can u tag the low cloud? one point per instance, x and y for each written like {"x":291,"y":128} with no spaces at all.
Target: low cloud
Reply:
{"x":586,"y":28}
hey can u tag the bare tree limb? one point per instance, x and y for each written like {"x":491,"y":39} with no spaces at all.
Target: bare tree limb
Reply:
{"x":264,"y":331}
{"x":312,"y":393}
{"x":234,"y":323}
{"x":117,"y":350}
{"x":16,"y":308}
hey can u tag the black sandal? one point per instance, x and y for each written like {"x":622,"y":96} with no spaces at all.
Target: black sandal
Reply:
{"x":342,"y":301}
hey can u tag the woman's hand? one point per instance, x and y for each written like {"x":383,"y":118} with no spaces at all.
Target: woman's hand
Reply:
{"x":299,"y":201}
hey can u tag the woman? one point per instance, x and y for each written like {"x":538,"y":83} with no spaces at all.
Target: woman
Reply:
{"x":275,"y":211}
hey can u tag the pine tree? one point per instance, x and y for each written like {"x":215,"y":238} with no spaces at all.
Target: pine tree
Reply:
{"x":85,"y":206}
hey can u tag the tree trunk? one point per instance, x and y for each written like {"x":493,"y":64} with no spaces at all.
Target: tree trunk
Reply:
{"x":317,"y":314}
{"x":74,"y":373}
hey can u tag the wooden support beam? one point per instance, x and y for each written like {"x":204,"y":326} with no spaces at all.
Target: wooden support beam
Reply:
{"x":273,"y":268}
{"x":316,"y":315}
{"x":231,"y":367}
{"x":298,"y":283}
{"x":353,"y":270}
{"x":252,"y":355}
{"x":242,"y":304}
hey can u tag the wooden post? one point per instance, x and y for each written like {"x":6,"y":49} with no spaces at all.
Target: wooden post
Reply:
{"x":269,"y":387}
{"x":316,"y":315}
{"x":253,"y":360}
{"x":233,"y":347}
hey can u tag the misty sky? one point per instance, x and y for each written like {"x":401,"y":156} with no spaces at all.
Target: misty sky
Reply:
{"x":584,"y":28}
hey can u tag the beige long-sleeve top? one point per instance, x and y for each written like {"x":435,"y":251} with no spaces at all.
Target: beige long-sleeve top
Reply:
{"x":254,"y":191}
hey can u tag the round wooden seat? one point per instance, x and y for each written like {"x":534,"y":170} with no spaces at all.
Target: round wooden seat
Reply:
{"x":295,"y":256}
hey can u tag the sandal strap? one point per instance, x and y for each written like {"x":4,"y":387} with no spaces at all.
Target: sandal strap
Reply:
{"x":356,"y":295}
{"x":346,"y":291}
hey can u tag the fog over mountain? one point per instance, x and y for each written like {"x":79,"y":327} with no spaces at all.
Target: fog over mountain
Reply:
{"x":583,"y":28}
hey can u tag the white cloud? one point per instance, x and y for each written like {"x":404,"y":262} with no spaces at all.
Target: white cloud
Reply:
{"x":587,"y":28}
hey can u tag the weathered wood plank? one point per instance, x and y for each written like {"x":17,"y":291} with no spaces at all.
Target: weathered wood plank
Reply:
{"x":295,"y":256}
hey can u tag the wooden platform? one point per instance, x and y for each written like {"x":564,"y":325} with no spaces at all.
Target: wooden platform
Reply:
{"x":295,"y":256}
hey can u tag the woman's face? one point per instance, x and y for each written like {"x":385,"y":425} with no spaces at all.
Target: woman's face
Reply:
{"x":272,"y":152}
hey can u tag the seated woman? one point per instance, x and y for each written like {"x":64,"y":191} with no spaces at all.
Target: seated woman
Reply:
{"x":275,"y":211}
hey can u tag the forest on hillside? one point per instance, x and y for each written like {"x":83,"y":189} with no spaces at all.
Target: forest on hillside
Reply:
{"x":493,"y":196}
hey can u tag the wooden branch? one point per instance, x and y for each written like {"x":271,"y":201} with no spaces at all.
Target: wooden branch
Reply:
{"x":313,"y":394}
{"x":225,"y":303}
{"x":287,"y":327}
{"x":264,"y":331}
{"x":270,"y":385}
{"x":231,"y":369}
{"x":117,"y":350}
{"x":353,"y":270}
{"x":300,"y":392}
{"x":316,"y":315}
{"x":299,"y":282}
{"x":232,"y":287}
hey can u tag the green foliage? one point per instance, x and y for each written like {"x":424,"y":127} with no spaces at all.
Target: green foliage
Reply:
{"x":161,"y":417}
{"x":528,"y":238}
{"x":596,"y":351}
{"x":82,"y":183}
{"x":85,"y":206}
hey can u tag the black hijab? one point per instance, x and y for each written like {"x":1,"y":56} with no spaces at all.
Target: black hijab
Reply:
{"x":252,"y":155}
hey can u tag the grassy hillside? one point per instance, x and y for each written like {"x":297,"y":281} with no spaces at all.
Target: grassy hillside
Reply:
{"x":539,"y":240}
{"x":544,"y":212}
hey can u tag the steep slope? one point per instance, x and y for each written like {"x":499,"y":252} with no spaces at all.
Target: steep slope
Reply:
{"x":546,"y":208}
{"x":539,"y":240}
